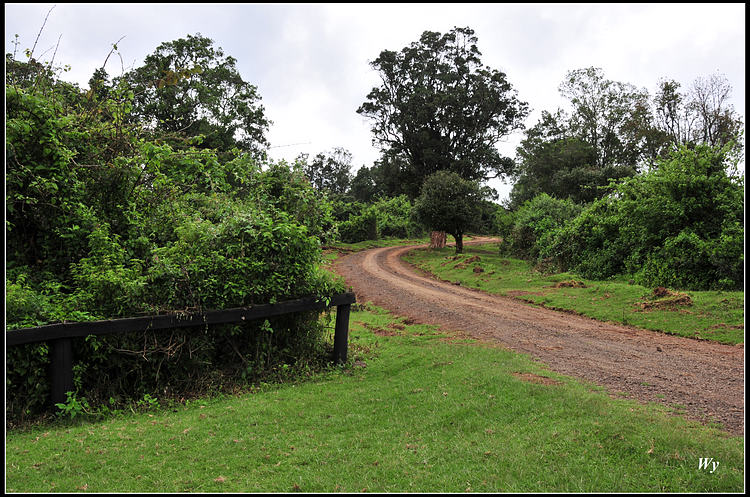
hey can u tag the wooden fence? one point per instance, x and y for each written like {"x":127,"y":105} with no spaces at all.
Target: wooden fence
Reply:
{"x":60,"y":335}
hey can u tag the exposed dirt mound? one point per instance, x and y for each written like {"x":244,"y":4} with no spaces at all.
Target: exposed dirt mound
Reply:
{"x":660,"y":292}
{"x":465,"y":263}
{"x":663,"y":298}
{"x":569,"y":284}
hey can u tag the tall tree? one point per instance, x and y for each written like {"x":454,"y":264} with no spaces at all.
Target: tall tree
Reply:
{"x":382,"y":179}
{"x":187,"y":87}
{"x":554,"y":159}
{"x":329,"y":171}
{"x":703,"y":114}
{"x":604,"y":115}
{"x":439,"y":108}
{"x":610,"y":133}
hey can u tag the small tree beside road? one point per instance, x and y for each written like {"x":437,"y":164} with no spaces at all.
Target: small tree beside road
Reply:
{"x":449,"y":203}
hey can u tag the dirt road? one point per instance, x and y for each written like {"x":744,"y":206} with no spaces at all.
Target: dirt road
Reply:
{"x":707,"y":378}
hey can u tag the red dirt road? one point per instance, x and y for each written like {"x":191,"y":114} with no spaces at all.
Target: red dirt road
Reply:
{"x":705,"y":377}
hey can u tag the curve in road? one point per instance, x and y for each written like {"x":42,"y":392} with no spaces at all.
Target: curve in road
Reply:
{"x":705,"y":377}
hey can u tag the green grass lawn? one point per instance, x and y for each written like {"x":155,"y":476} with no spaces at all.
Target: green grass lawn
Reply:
{"x":709,"y":315}
{"x":414,"y":410}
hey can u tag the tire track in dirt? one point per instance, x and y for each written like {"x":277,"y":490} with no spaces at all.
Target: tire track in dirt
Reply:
{"x":706,"y":378}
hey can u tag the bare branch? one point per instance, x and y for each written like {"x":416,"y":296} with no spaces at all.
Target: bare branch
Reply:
{"x":31,"y":54}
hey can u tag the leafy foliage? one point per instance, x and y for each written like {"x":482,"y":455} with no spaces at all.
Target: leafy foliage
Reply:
{"x":615,"y":130}
{"x":104,"y":221}
{"x":606,"y":115}
{"x":383,"y":179}
{"x":189,"y":88}
{"x":700,"y":115}
{"x":384,"y":218}
{"x":535,"y":222}
{"x":449,"y":203}
{"x":553,"y":160}
{"x":329,"y":171}
{"x":679,"y":225}
{"x":360,"y":227}
{"x":439,"y":108}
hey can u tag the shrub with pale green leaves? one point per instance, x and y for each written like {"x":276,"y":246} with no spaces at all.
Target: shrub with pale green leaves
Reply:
{"x":104,"y":221}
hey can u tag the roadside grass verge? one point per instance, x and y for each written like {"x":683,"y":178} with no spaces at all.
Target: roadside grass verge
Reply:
{"x":708,"y":315}
{"x":415,"y":409}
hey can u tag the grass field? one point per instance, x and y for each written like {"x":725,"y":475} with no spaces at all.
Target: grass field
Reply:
{"x":709,"y":315}
{"x":414,"y":410}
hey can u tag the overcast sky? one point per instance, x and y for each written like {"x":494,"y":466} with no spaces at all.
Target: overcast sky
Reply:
{"x":310,"y":62}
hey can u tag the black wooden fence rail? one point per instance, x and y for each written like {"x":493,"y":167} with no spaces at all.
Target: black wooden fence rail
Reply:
{"x":60,"y":335}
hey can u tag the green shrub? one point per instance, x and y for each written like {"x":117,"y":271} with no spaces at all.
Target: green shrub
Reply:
{"x":504,"y":220}
{"x":359,"y":228}
{"x":395,"y":219}
{"x":106,"y":222}
{"x":385,"y":217}
{"x":679,"y":225}
{"x":535,"y":223}
{"x":589,"y":243}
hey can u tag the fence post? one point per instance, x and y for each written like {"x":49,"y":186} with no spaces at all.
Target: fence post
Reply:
{"x":341,"y":335}
{"x":61,"y":369}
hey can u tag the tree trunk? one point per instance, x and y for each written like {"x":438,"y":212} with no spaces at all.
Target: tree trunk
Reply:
{"x":437,"y":239}
{"x":459,"y":243}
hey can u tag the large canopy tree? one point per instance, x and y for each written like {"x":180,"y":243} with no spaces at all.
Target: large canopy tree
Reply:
{"x":608,"y":115}
{"x":187,"y":87}
{"x":703,"y":114}
{"x":439,"y":108}
{"x":556,"y":159}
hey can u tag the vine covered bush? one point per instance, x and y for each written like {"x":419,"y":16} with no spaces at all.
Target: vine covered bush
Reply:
{"x":105,"y":220}
{"x":531,"y":227}
{"x":679,"y":225}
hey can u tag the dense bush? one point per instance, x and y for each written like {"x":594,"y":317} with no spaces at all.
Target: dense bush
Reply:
{"x":395,"y":219}
{"x":535,"y":223}
{"x":359,"y":227}
{"x":103,"y":223}
{"x":679,"y":225}
{"x":384,"y":218}
{"x":588,"y":243}
{"x":503,"y":223}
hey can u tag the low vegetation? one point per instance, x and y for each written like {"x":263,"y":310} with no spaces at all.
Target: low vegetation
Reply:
{"x":679,"y":225}
{"x":108,"y":218}
{"x":146,"y":194}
